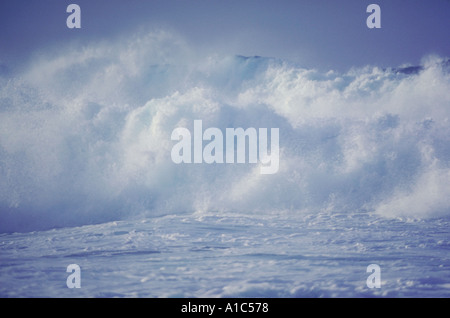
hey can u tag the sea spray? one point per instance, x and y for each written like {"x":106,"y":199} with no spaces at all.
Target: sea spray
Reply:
{"x":85,"y":136}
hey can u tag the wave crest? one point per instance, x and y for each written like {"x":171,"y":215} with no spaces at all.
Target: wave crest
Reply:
{"x":85,"y":135}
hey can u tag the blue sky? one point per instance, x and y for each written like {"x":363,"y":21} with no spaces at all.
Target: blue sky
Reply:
{"x":319,"y":34}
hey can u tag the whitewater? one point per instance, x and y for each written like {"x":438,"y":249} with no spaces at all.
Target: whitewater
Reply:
{"x":86,"y":176}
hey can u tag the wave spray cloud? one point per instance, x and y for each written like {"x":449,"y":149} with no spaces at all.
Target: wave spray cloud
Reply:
{"x":99,"y":144}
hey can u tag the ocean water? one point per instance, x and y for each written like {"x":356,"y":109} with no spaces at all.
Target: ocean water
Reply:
{"x":86,"y":176}
{"x":231,"y":255}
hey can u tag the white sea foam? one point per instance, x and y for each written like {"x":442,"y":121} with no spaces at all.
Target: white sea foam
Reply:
{"x":85,"y":135}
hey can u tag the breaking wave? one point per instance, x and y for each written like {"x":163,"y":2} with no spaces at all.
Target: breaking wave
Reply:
{"x":85,"y":135}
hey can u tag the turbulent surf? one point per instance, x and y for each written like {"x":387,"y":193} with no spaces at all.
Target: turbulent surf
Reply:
{"x":86,"y":175}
